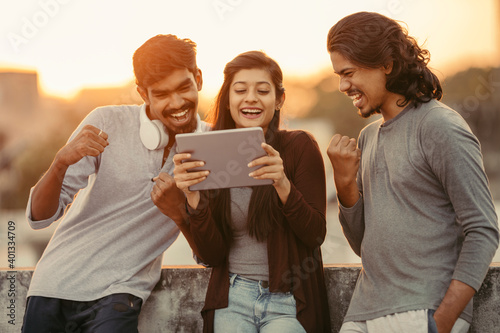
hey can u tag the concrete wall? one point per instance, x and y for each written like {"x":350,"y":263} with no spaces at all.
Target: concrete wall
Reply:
{"x":174,"y":305}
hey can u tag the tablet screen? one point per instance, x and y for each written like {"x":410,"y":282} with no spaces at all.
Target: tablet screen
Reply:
{"x":226,"y":154}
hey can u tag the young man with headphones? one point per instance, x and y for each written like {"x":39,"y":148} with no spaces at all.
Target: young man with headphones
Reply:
{"x":111,"y":189}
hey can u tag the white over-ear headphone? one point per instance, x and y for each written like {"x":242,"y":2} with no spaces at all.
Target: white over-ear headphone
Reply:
{"x":153,"y":133}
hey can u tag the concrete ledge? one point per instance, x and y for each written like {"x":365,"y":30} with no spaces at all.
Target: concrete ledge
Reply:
{"x":176,"y":301}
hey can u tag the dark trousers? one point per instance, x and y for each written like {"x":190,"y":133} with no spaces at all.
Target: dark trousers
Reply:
{"x":113,"y":313}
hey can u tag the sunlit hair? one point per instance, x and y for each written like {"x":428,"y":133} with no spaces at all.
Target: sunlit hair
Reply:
{"x":371,"y":40}
{"x":160,"y":55}
{"x":263,"y":212}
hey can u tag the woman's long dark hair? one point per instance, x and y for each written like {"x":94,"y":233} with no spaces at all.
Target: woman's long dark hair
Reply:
{"x":372,"y":40}
{"x":263,"y":214}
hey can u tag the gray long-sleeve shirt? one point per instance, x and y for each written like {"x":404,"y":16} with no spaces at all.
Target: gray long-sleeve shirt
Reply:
{"x":111,"y":236}
{"x":425,"y":215}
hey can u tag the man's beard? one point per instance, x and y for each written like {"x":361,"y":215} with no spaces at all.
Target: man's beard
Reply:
{"x":188,"y":128}
{"x":370,"y":113}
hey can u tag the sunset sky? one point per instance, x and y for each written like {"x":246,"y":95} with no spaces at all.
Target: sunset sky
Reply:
{"x":74,"y":43}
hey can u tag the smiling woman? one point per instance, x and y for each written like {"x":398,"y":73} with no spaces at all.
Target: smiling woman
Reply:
{"x":253,"y":98}
{"x":253,"y":236}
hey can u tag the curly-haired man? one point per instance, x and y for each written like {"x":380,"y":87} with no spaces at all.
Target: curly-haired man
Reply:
{"x":413,"y":195}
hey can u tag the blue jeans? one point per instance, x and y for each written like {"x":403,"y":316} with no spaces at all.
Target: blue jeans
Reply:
{"x":431,"y":323}
{"x":114,"y":313}
{"x":252,"y":308}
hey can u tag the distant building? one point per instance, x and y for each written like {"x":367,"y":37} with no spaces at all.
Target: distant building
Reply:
{"x":498,"y":28}
{"x":18,"y":92}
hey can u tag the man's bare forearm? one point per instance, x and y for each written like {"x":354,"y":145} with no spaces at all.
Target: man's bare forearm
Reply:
{"x":45,"y":196}
{"x":453,"y":304}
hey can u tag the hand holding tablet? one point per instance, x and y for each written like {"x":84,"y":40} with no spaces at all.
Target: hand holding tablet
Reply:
{"x":226,"y":154}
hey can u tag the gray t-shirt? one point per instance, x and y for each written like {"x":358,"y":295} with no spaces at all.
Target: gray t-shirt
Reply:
{"x":247,"y":256}
{"x":426,"y":215}
{"x":111,"y":236}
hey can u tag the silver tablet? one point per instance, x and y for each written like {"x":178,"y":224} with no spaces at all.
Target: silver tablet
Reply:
{"x":226,"y":154}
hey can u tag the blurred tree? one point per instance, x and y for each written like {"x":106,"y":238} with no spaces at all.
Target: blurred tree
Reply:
{"x":475,"y":94}
{"x":35,"y":157}
{"x":30,"y":166}
{"x":337,"y":108}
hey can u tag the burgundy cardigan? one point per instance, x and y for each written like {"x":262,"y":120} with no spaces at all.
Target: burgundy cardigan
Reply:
{"x":295,"y":261}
